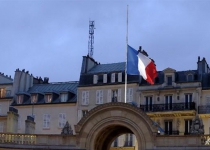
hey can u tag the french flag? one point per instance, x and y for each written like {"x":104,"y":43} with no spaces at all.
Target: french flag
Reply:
{"x":138,"y":63}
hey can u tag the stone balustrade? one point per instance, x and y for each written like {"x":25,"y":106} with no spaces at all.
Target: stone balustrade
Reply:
{"x":37,"y":139}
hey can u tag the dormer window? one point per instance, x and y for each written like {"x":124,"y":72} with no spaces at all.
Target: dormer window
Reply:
{"x":95,"y":79}
{"x":120,"y":77}
{"x":19,"y":99}
{"x":2,"y":93}
{"x":48,"y":98}
{"x":33,"y":99}
{"x":189,"y":77}
{"x":64,"y":97}
{"x":105,"y":78}
{"x":113,"y":77}
{"x":169,"y":80}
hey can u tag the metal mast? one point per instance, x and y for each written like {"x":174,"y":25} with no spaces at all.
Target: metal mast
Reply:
{"x":91,"y":38}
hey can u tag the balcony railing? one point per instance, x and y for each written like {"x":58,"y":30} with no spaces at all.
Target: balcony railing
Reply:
{"x":168,"y":107}
{"x":204,"y":109}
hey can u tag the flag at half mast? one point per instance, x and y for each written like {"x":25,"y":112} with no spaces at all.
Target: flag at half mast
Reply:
{"x":138,"y":63}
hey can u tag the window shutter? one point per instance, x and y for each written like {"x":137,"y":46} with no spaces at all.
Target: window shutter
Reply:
{"x":105,"y":78}
{"x":48,"y":120}
{"x":113,"y":77}
{"x":95,"y":79}
{"x":97,"y":96}
{"x":60,"y":120}
{"x":87,"y":98}
{"x":109,"y":96}
{"x":101,"y":96}
{"x":1,"y":126}
{"x":120,"y":77}
{"x":79,"y":115}
{"x":83,"y":97}
{"x":0,"y":110}
{"x":119,"y":95}
{"x":131,"y":94}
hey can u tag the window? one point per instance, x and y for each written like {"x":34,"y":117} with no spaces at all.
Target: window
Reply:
{"x":109,"y":96}
{"x":114,"y":95}
{"x":61,"y":120}
{"x":116,"y":142}
{"x":129,"y":95}
{"x":148,"y":103}
{"x":19,"y":122}
{"x":168,"y":127}
{"x":95,"y":79}
{"x":128,"y":140}
{"x":8,"y":93}
{"x":105,"y":78}
{"x":64,"y":97}
{"x":113,"y":77}
{"x":85,"y":97}
{"x":1,"y":126}
{"x":46,"y":121}
{"x":99,"y":97}
{"x":188,"y":101}
{"x":120,"y":77}
{"x":188,"y":124}
{"x":169,"y":80}
{"x":84,"y":112}
{"x":190,"y":77}
{"x":19,"y":99}
{"x":33,"y":99}
{"x":2,"y":93}
{"x":48,"y":98}
{"x":168,"y":102}
{"x":208,"y":100}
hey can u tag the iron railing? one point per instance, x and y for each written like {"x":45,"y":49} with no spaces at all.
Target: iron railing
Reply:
{"x":204,"y":109}
{"x":168,"y":107}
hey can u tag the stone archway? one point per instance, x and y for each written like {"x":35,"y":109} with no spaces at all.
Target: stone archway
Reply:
{"x":97,"y":129}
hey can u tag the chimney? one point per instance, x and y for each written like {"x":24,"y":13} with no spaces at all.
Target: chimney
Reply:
{"x":87,"y":64}
{"x":12,"y":120}
{"x":29,"y":125}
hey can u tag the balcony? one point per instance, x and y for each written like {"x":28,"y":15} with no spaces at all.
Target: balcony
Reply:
{"x":204,"y":109}
{"x":168,"y":107}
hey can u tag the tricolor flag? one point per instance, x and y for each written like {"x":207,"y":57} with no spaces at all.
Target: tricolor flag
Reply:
{"x":138,"y":63}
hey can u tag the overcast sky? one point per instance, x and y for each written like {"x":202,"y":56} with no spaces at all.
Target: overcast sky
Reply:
{"x":49,"y":37}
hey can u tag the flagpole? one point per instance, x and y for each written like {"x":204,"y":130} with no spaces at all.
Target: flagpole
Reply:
{"x":126,"y":57}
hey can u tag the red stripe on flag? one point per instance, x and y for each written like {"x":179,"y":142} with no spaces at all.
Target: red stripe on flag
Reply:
{"x":151,"y":72}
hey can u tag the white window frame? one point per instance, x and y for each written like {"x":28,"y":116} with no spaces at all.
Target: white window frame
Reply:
{"x":34,"y":98}
{"x":112,"y":77}
{"x":104,"y":78}
{"x":61,"y":120}
{"x":48,"y":98}
{"x":46,"y":121}
{"x":20,"y":99}
{"x":99,"y":96}
{"x":64,"y":97}
{"x":120,"y":77}
{"x":95,"y":79}
{"x":85,"y":97}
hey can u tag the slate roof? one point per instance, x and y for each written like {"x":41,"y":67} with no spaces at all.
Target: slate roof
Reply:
{"x":55,"y":88}
{"x":105,"y":68}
